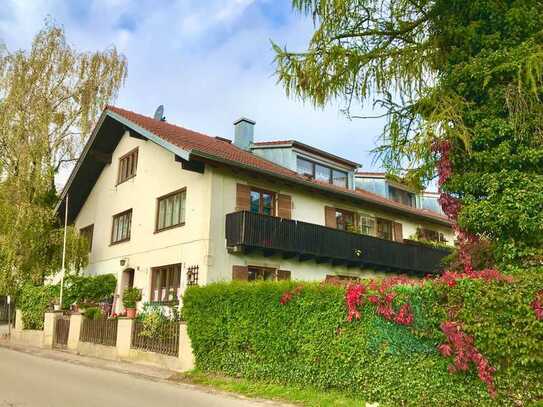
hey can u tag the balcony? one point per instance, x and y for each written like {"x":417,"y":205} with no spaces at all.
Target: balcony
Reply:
{"x":246,"y":232}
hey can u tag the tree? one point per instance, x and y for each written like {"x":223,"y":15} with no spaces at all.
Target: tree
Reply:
{"x":50,"y":98}
{"x":461,"y":84}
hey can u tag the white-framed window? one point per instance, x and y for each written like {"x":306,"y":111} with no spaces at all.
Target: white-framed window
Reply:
{"x":366,"y":224}
{"x":171,"y":210}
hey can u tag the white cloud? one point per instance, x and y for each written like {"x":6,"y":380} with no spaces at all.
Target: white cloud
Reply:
{"x":208,"y":62}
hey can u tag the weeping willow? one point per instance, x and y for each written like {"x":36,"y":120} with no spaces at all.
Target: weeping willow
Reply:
{"x":50,"y":98}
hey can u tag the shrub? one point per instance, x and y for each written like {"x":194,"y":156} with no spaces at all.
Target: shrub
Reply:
{"x":88,"y":290}
{"x":257,"y":331}
{"x":156,"y":320}
{"x":33,"y":301}
{"x":131,"y":296}
{"x":93,"y":313}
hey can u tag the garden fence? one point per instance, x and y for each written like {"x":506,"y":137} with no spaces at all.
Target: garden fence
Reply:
{"x":99,"y":331}
{"x":164,"y":340}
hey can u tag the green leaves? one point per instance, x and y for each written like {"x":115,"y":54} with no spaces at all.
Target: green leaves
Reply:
{"x":242,"y":330}
{"x":469,"y":72}
{"x":50,"y":97}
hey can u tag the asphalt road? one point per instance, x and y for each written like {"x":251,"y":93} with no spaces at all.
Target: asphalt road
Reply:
{"x":28,"y":380}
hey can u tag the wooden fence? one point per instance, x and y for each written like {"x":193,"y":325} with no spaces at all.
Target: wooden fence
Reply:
{"x":99,"y":331}
{"x":61,"y":332}
{"x":164,"y":341}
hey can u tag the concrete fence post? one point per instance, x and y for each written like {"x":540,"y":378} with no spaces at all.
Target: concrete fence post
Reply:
{"x":19,"y":326}
{"x":124,"y":336}
{"x":49,"y":327}
{"x":76,"y":321}
{"x":186,"y":356}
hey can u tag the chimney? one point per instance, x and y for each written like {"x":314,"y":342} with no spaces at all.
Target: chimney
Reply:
{"x":244,"y":133}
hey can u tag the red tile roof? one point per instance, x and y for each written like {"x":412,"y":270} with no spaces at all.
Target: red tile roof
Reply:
{"x":203,"y":145}
{"x":191,"y":140}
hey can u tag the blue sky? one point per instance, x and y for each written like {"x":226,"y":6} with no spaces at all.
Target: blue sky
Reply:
{"x":209,"y":62}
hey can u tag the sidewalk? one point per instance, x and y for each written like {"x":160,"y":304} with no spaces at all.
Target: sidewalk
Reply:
{"x":148,"y":372}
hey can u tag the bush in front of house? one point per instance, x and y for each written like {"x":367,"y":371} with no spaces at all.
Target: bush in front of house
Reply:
{"x":33,"y":301}
{"x":280,"y":333}
{"x":157,"y":320}
{"x":93,"y":313}
{"x":88,"y":291}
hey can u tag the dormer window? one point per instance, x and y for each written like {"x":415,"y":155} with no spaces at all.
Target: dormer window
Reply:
{"x":321,"y":172}
{"x":305,"y":167}
{"x":401,"y":196}
{"x":339,"y":178}
{"x":128,"y":164}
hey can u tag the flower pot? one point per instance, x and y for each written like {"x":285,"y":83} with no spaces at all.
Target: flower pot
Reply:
{"x":131,"y":312}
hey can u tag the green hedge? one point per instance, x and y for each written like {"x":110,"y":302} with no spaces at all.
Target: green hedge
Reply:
{"x":33,"y":301}
{"x":241,"y":329}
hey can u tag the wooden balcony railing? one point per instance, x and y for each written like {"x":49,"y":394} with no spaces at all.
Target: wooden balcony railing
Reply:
{"x":246,"y":231}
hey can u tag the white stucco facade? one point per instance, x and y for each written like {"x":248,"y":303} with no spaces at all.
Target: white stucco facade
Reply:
{"x":157,"y":174}
{"x":201,"y":240}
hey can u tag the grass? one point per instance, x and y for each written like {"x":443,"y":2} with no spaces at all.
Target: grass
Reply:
{"x":303,"y":396}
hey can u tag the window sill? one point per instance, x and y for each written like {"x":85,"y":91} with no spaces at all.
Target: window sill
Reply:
{"x":169,"y":228}
{"x":119,"y":242}
{"x":124,"y":180}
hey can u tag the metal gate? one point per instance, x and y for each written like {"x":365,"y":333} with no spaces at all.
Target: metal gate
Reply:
{"x":62,"y":328}
{"x":7,"y":311}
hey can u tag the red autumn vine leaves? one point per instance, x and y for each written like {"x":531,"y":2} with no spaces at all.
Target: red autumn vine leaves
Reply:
{"x":357,"y":294}
{"x":537,"y":305}
{"x":461,"y":346}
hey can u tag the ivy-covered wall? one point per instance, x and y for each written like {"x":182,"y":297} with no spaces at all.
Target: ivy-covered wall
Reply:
{"x":257,"y":331}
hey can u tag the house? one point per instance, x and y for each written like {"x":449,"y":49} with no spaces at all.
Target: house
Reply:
{"x":164,"y":207}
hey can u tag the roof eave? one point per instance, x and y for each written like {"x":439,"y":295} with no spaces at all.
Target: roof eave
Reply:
{"x":309,"y":184}
{"x":80,"y":160}
{"x":185,"y":154}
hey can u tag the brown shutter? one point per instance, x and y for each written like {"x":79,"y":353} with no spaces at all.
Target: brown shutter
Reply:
{"x":283,"y":274}
{"x":243,"y":197}
{"x":398,"y":232}
{"x":284,"y":206}
{"x":240,"y":273}
{"x":330,"y":217}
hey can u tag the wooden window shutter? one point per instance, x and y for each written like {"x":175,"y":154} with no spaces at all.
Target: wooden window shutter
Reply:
{"x":283,"y":274}
{"x":330,"y":217}
{"x":398,"y":232}
{"x":240,"y":273}
{"x":243,"y":197}
{"x":284,"y":206}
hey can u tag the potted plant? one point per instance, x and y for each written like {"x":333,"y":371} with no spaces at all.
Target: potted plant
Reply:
{"x":56,"y":304}
{"x":130,"y":297}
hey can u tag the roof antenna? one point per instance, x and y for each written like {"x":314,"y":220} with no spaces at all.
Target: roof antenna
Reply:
{"x":159,"y":114}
